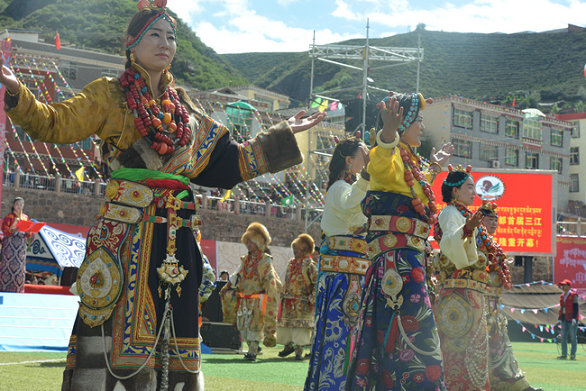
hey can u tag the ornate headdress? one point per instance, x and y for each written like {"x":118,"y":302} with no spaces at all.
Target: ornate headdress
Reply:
{"x":154,"y":5}
{"x":488,"y":208}
{"x":459,"y":168}
{"x":417,"y":103}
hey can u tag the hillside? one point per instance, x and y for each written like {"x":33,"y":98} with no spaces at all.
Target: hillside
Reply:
{"x":532,"y":67}
{"x":547,"y":67}
{"x":101,"y":24}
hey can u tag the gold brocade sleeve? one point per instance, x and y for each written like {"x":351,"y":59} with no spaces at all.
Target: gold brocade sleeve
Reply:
{"x":97,"y":109}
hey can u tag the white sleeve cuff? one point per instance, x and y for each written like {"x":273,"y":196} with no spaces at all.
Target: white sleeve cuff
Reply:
{"x":384,"y":145}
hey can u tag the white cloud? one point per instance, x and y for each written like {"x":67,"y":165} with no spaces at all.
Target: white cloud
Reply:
{"x":483,"y":16}
{"x":246,"y":31}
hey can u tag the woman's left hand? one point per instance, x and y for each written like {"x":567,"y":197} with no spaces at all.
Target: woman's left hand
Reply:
{"x":442,"y":156}
{"x":299,"y":124}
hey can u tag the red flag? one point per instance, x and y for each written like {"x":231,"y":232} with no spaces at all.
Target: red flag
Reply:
{"x":513,"y":102}
{"x":57,"y":41}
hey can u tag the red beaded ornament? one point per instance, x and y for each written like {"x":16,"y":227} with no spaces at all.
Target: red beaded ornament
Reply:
{"x":165,"y":125}
{"x":412,"y":173}
{"x":496,"y":256}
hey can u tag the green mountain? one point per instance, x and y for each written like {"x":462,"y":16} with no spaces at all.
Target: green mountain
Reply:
{"x":101,"y":25}
{"x":532,"y":67}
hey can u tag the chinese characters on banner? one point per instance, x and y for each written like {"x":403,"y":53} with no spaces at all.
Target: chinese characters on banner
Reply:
{"x":570,"y":261}
{"x":525,"y":208}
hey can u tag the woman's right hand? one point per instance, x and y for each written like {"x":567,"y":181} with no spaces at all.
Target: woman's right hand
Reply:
{"x":8,"y":78}
{"x":474,"y":221}
{"x":392,"y":115}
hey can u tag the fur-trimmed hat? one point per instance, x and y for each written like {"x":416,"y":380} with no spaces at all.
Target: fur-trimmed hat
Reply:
{"x":306,"y":243}
{"x":257,"y":234}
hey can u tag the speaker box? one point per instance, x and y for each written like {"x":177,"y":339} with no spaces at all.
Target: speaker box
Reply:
{"x":221,"y":336}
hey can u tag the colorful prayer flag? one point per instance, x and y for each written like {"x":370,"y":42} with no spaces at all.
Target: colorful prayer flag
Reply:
{"x":316,"y":102}
{"x":79,"y":173}
{"x":288,"y":201}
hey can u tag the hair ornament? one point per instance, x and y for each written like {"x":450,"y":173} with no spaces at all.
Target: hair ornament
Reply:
{"x":418,"y":102}
{"x":154,"y":5}
{"x":490,"y":207}
{"x":151,"y":4}
{"x":467,"y":170}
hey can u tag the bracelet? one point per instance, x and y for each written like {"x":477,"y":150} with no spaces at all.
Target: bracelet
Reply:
{"x":390,"y":145}
{"x":13,"y":94}
{"x":435,"y":164}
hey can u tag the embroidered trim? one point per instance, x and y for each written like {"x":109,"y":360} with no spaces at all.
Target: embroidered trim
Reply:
{"x":343,"y":264}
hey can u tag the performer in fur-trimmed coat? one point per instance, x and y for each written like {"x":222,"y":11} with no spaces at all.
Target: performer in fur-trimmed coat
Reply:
{"x":257,"y":289}
{"x":298,"y":300}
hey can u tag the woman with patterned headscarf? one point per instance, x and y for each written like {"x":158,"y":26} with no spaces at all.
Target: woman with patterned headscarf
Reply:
{"x":397,"y":346}
{"x":137,"y":323}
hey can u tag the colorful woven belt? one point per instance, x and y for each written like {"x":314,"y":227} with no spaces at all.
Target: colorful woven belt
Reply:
{"x":399,"y":224}
{"x":343,"y":264}
{"x":464,"y":283}
{"x":346,"y":243}
{"x":393,"y":241}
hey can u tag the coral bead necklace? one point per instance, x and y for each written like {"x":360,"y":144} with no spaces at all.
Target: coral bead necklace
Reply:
{"x":165,"y":125}
{"x":495,"y":254}
{"x":412,"y":173}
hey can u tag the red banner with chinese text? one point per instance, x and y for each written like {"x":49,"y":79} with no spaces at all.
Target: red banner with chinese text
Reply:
{"x":570,"y":261}
{"x":525,"y":208}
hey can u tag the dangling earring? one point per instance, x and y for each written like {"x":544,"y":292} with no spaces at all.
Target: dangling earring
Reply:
{"x":349,"y":177}
{"x":132,"y":60}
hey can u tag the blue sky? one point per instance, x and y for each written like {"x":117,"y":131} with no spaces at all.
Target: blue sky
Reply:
{"x":237,"y":26}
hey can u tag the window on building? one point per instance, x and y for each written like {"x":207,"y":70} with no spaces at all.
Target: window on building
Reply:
{"x":555,"y":163}
{"x":512,"y":128}
{"x":462,"y":148}
{"x":489,"y":124}
{"x":512,"y":157}
{"x":532,"y":130}
{"x":462,"y":118}
{"x":532,"y":160}
{"x":574,"y":183}
{"x":576,"y":130}
{"x":488,"y":153}
{"x":574,"y":156}
{"x":557,"y":137}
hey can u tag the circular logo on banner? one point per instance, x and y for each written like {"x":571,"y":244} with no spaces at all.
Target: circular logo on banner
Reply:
{"x":490,"y":188}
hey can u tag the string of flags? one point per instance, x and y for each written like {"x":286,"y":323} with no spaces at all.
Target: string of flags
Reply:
{"x":550,"y":329}
{"x":324,"y":104}
{"x":302,"y":190}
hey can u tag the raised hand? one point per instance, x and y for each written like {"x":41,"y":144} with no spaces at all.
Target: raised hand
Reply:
{"x":7,"y":77}
{"x":300,"y":124}
{"x":392,"y":115}
{"x":442,"y":156}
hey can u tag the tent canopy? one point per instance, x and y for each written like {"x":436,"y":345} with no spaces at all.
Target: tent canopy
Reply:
{"x":535,"y":303}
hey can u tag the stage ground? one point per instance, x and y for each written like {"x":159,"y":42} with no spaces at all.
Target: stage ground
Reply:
{"x":33,"y":371}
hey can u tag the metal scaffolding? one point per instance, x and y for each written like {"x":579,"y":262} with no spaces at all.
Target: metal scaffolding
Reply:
{"x":333,"y":54}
